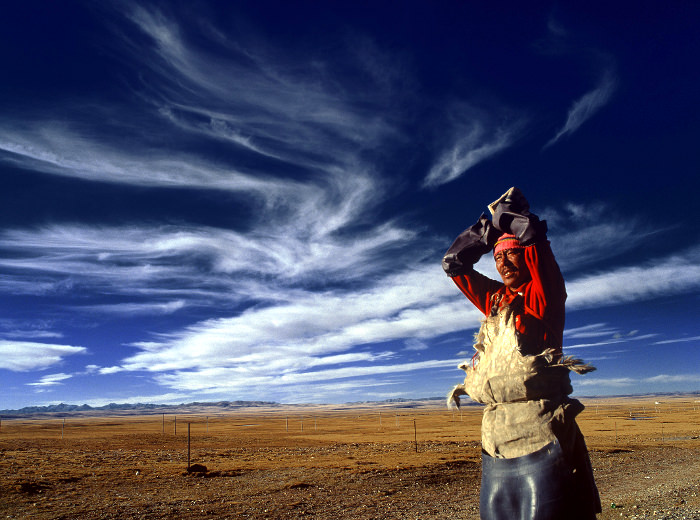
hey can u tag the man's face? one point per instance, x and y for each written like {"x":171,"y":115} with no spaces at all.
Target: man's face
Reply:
{"x":510,"y":264}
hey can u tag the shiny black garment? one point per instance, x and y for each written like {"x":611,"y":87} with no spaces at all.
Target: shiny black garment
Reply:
{"x":537,"y":486}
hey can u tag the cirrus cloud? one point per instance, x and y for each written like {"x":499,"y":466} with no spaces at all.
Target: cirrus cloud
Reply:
{"x":21,"y":356}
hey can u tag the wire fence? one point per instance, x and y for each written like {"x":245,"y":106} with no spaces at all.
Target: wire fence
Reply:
{"x":639,"y":421}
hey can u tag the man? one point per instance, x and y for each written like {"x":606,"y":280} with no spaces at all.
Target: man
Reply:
{"x":535,"y":463}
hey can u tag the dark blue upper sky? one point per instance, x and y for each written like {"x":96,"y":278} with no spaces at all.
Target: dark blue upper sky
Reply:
{"x":251,"y":200}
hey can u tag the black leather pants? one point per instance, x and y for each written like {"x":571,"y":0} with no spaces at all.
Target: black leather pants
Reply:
{"x":531,"y":487}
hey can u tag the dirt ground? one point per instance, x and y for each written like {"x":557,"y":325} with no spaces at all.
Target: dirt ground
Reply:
{"x":351,"y":462}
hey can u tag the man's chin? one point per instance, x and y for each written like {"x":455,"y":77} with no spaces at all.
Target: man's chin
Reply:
{"x":514,"y":282}
{"x":510,"y":279}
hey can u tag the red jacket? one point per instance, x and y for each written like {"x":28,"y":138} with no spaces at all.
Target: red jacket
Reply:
{"x":544,"y":296}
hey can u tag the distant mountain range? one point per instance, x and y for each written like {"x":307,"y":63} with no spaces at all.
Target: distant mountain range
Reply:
{"x":149,"y":408}
{"x":129,"y":407}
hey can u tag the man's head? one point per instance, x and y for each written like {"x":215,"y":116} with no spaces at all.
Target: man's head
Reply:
{"x":510,"y":263}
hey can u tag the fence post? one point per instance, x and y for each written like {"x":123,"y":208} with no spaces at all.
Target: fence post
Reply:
{"x":415,"y":435}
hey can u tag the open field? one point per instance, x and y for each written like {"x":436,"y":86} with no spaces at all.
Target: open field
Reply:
{"x":353,"y":461}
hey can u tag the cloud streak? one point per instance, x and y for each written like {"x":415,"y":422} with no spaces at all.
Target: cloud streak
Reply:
{"x":55,"y":147}
{"x":295,"y":146}
{"x":581,"y":233}
{"x":313,"y":330}
{"x":474,"y":137}
{"x":586,"y":107}
{"x":674,"y":274}
{"x":265,"y":103}
{"x":623,"y":382}
{"x":51,"y":380}
{"x":22,"y":356}
{"x":677,"y":340}
{"x":129,"y":260}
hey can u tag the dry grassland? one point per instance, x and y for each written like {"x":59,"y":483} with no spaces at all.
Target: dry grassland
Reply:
{"x":326,"y":462}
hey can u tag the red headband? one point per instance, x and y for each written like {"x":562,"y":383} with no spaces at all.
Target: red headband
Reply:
{"x":506,"y":242}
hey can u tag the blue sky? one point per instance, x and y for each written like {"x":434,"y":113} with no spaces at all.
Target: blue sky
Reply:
{"x":250,"y":200}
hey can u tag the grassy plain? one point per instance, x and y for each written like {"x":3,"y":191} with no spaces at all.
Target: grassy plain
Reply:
{"x":416,"y":460}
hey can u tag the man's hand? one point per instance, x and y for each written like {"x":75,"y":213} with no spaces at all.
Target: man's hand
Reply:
{"x":511,"y":214}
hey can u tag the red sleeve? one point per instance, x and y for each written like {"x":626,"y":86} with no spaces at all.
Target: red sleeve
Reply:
{"x":478,"y":289}
{"x":545,"y":295}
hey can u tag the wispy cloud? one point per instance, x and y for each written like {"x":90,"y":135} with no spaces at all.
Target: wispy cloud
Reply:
{"x":34,"y":334}
{"x":129,"y":260}
{"x":286,"y":387}
{"x":140,"y":309}
{"x":292,"y":330}
{"x":261,"y":100}
{"x":415,"y":345}
{"x":677,"y":340}
{"x":473,"y":136}
{"x":23,"y":356}
{"x":51,"y":380}
{"x":56,"y":147}
{"x":611,"y":339}
{"x":314,"y":227}
{"x":581,"y":234}
{"x":601,"y":343}
{"x":637,"y":383}
{"x":599,"y":335}
{"x":674,"y":274}
{"x":592,"y":330}
{"x":584,"y":108}
{"x":28,"y":329}
{"x":313,"y":329}
{"x":312,"y":337}
{"x":295,"y":142}
{"x":615,"y":382}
